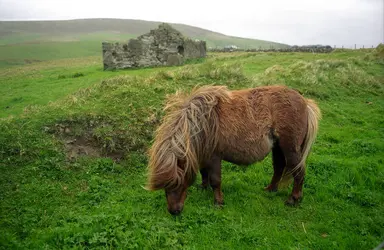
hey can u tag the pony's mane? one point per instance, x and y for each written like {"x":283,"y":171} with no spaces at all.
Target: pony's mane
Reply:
{"x":188,"y":134}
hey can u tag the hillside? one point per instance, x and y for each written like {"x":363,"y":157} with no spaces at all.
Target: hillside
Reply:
{"x":27,"y":41}
{"x":73,"y":143}
{"x":106,"y":27}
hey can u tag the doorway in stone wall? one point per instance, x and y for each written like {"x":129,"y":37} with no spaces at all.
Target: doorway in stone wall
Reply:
{"x":180,"y":50}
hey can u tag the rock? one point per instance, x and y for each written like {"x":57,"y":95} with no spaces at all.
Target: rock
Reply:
{"x":174,"y":60}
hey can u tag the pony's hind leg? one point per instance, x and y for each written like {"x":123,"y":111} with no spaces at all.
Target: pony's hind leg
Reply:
{"x":293,"y":159}
{"x":278,"y":168}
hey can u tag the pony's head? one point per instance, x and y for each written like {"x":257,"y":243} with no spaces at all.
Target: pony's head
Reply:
{"x":188,"y":134}
{"x":168,"y":173}
{"x":176,"y":194}
{"x":172,"y":166}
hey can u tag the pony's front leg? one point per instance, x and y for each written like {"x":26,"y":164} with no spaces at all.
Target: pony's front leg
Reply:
{"x":204,"y":177}
{"x":215,"y":180}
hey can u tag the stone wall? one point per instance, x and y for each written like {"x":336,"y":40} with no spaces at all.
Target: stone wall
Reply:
{"x":194,"y":49}
{"x":162,"y":46}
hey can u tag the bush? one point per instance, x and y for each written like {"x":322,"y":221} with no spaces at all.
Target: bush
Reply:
{"x":77,"y":74}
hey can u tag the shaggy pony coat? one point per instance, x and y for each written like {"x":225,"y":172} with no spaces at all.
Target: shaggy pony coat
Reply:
{"x":239,"y":126}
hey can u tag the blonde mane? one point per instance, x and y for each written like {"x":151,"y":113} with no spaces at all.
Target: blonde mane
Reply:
{"x":188,"y":134}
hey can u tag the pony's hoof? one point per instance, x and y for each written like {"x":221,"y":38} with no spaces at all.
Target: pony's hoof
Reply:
{"x":269,"y":188}
{"x":292,"y":201}
{"x":202,"y":187}
{"x":219,"y":204}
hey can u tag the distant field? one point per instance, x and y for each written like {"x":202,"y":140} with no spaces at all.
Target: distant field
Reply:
{"x":19,"y":54}
{"x":32,"y":48}
{"x":62,"y":193}
{"x":31,"y":41}
{"x":34,"y":38}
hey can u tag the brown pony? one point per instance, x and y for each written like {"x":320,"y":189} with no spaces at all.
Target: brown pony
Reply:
{"x":242,"y":126}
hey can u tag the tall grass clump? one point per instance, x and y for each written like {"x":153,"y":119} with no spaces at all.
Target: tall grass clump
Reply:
{"x":318,"y":77}
{"x":212,"y":70}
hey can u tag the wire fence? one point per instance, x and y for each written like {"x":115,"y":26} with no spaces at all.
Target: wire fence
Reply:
{"x":355,"y":46}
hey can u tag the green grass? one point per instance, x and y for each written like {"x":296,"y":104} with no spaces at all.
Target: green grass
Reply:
{"x":50,"y":201}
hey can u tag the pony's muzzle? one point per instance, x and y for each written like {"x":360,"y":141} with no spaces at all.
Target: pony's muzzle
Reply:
{"x":177,"y":210}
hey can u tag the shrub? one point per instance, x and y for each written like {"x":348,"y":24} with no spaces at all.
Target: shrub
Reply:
{"x":77,"y":74}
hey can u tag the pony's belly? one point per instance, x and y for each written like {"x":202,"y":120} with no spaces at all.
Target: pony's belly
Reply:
{"x":242,"y":161}
{"x":245,"y":152}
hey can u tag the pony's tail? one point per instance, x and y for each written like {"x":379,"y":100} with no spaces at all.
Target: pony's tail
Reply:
{"x":314,"y":115}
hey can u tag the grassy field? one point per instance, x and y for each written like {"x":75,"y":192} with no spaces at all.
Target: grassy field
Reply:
{"x":58,"y":192}
{"x":25,"y":42}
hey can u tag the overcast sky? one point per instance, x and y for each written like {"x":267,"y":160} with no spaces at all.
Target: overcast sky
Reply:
{"x":333,"y":22}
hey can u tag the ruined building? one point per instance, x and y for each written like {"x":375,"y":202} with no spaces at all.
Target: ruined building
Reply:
{"x":162,"y":46}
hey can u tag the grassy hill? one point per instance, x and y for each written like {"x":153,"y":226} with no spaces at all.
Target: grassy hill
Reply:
{"x":72,"y":157}
{"x":30,"y":41}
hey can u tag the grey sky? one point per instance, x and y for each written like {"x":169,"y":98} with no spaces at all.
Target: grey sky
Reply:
{"x":333,"y":22}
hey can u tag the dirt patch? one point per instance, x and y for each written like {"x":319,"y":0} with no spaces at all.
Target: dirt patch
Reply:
{"x":80,"y":146}
{"x":95,"y":135}
{"x":83,"y":145}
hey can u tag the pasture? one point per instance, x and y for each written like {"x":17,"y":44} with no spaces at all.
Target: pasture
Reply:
{"x":73,"y":143}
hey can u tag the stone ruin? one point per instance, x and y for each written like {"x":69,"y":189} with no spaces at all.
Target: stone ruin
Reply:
{"x":162,"y":46}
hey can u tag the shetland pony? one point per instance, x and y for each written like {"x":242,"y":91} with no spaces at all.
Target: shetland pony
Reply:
{"x":212,"y":124}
